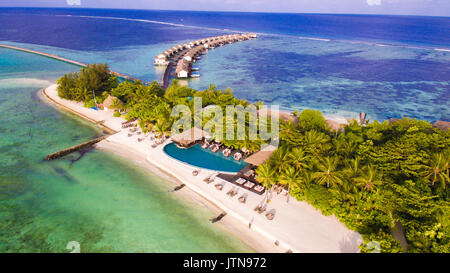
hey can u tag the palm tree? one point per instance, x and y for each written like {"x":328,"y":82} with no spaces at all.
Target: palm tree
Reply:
{"x":265,"y":174}
{"x":298,"y":158}
{"x":317,"y":142}
{"x":116,"y":103}
{"x":280,"y":158}
{"x":306,"y":178}
{"x":369,"y":180}
{"x":290,"y":178}
{"x":161,"y":128}
{"x":353,"y":167}
{"x":437,"y":170}
{"x":327,"y":172}
{"x":288,"y":129}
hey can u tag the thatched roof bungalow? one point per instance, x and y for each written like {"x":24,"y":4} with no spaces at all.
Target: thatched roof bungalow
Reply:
{"x":112,"y":102}
{"x":189,"y":137}
{"x":262,"y":156}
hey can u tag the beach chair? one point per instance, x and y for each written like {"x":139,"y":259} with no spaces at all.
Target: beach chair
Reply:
{"x":270,"y":215}
{"x":242,"y":199}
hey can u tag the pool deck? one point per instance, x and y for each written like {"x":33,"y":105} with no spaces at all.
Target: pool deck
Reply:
{"x":297,"y":226}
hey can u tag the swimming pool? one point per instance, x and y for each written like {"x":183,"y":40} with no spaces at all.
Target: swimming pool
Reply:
{"x":204,"y":158}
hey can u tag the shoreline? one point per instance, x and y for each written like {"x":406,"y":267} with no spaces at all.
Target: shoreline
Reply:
{"x":285,"y":233}
{"x":187,"y":195}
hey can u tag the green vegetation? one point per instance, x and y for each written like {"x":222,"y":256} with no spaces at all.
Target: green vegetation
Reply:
{"x":379,"y":179}
{"x":81,"y":86}
{"x":374,"y":178}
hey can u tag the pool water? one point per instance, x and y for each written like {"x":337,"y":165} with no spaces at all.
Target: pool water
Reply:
{"x":204,"y":158}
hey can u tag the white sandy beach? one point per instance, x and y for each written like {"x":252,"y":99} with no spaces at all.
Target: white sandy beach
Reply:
{"x":297,"y":225}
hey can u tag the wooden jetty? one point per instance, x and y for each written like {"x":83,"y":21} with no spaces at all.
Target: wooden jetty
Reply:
{"x":75,"y":148}
{"x":52,"y":56}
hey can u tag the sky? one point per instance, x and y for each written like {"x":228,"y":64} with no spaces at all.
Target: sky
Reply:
{"x":398,"y":7}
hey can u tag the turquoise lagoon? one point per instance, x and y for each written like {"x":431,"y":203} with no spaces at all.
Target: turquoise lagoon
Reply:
{"x":101,"y":201}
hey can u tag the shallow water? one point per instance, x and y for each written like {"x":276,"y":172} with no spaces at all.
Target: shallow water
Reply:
{"x":101,"y":201}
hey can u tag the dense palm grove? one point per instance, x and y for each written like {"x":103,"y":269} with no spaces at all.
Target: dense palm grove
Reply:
{"x":387,"y":181}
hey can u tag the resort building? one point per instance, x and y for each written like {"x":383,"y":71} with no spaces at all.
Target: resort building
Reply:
{"x":261,"y":156}
{"x":189,"y":137}
{"x":112,"y":103}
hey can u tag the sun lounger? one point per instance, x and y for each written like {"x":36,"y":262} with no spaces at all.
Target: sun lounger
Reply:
{"x":259,"y":188}
{"x":219,"y":187}
{"x":242,"y":199}
{"x":249,"y":185}
{"x":241,"y":181}
{"x":207,"y":178}
{"x":249,"y":173}
{"x":270,"y":215}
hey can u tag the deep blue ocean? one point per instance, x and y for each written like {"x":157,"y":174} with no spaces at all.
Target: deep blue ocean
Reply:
{"x":387,"y":66}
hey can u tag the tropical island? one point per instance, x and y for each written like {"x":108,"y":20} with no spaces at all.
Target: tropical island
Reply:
{"x":388,"y":181}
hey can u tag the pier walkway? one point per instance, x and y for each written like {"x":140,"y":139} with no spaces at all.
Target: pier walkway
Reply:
{"x":52,"y":56}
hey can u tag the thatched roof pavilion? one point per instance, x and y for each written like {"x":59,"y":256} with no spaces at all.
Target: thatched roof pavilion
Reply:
{"x":262,"y":156}
{"x":189,"y":137}
{"x":109,"y":102}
